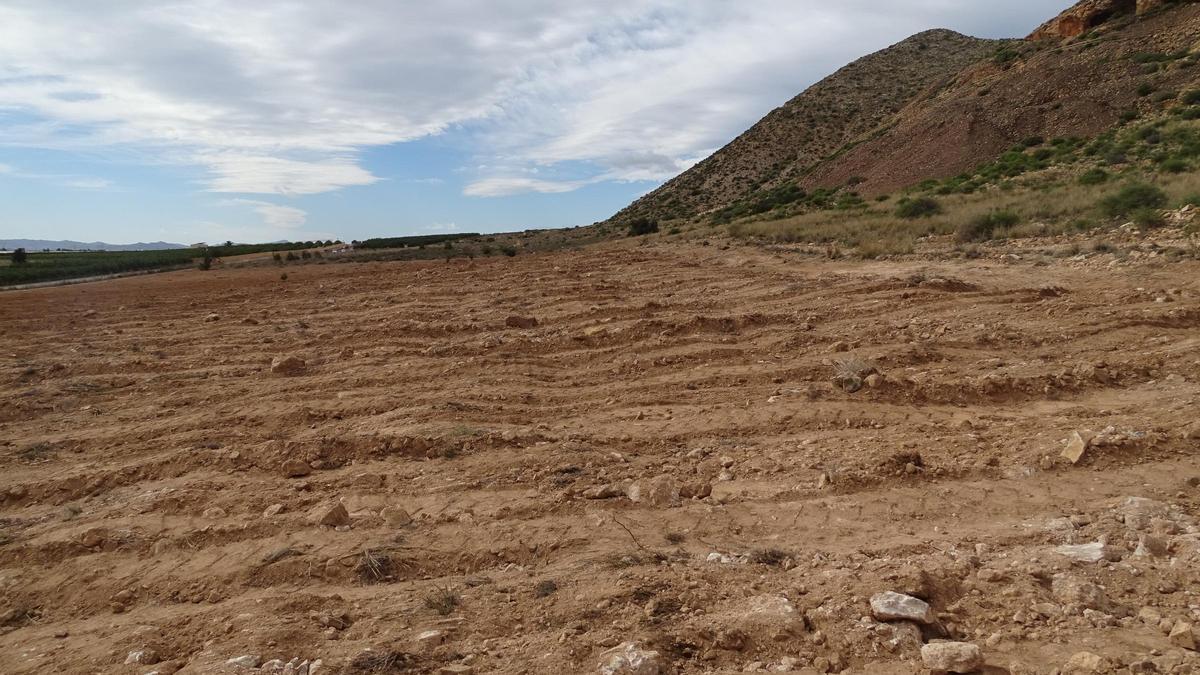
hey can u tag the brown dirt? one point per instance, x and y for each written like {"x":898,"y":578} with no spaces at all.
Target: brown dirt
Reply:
{"x":143,"y":443}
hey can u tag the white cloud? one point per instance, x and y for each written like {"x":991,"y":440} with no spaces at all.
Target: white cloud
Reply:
{"x":279,"y":97}
{"x":274,"y":216}
{"x":275,"y":175}
{"x":503,"y":186}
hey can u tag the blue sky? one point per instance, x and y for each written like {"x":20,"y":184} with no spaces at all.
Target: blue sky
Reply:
{"x":209,"y":120}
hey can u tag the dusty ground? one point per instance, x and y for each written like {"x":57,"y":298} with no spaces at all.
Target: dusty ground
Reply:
{"x":146,"y":442}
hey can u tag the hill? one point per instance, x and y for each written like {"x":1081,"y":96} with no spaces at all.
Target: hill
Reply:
{"x":67,"y":245}
{"x":940,"y":104}
{"x":854,"y":101}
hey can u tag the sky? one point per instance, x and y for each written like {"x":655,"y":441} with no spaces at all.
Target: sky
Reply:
{"x":214,"y":120}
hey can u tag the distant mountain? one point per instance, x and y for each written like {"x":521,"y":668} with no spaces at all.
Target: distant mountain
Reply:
{"x":40,"y":244}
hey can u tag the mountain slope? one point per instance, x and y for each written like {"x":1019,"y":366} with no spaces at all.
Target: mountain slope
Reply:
{"x":1122,"y":67}
{"x":854,"y":101}
{"x":940,"y":104}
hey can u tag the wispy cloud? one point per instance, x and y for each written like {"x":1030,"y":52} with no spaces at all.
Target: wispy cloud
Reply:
{"x":503,"y":186}
{"x":275,"y":216}
{"x":283,"y":98}
{"x":64,"y":180}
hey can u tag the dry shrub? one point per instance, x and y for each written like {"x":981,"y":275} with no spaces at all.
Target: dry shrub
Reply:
{"x":850,"y":373}
{"x":375,"y":566}
{"x":443,"y":601}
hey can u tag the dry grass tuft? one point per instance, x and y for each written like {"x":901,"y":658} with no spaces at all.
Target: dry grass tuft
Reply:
{"x":443,"y":601}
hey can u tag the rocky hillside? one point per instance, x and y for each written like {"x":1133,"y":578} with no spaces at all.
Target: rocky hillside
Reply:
{"x":950,"y":103}
{"x":858,"y":99}
{"x":1124,"y":67}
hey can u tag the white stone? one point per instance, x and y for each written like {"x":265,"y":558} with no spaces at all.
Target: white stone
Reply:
{"x":628,"y":659}
{"x":246,"y":661}
{"x":892,"y":606}
{"x":952,"y":657}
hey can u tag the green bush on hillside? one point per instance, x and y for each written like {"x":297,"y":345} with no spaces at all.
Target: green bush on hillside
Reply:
{"x":1093,"y":177}
{"x":921,"y":207}
{"x":1131,"y":198}
{"x":984,"y":227}
{"x":642,"y":226}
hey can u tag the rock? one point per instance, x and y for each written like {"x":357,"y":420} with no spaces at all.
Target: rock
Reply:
{"x":247,"y":661}
{"x":93,"y":537}
{"x":272,"y":510}
{"x":952,"y":657}
{"x":662,"y":491}
{"x":1071,"y":590}
{"x":330,"y":515}
{"x":456,"y":669}
{"x":523,"y":322}
{"x":214,"y":513}
{"x":1183,"y":636}
{"x":892,"y":606}
{"x":1088,"y":14}
{"x":273,"y":666}
{"x":1191,"y":432}
{"x":296,"y":468}
{"x":628,"y":659}
{"x":1153,"y":545}
{"x":288,"y":366}
{"x":1077,"y":446}
{"x":336,"y":620}
{"x":1090,"y":553}
{"x":906,"y":636}
{"x":1138,"y":512}
{"x":610,"y":491}
{"x":1086,"y":662}
{"x":142,"y":657}
{"x":395,"y":516}
{"x":431,"y":638}
{"x":212,"y":318}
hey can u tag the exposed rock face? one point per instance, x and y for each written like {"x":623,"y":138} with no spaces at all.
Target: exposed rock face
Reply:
{"x":1088,"y":14}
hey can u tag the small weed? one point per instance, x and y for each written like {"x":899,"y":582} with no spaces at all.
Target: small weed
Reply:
{"x":381,"y":662}
{"x":443,"y":601}
{"x":545,"y":589}
{"x":375,"y":566}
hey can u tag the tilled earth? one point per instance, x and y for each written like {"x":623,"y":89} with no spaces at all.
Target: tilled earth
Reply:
{"x":716,"y":455}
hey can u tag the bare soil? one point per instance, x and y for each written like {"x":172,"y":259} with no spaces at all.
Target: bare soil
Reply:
{"x":689,"y":451}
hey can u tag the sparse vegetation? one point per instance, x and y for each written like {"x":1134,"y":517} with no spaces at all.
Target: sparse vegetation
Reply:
{"x":442,"y":601}
{"x":920,"y":207}
{"x":57,"y":265}
{"x":642,"y":226}
{"x":986,"y":226}
{"x":1132,"y":198}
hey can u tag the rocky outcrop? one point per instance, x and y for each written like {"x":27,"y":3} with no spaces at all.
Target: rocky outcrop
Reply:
{"x":1089,"y":14}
